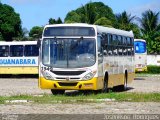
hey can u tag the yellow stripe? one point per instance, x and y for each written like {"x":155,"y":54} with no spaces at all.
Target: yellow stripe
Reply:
{"x":18,"y":70}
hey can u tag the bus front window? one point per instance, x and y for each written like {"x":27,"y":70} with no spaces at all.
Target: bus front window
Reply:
{"x":140,"y":47}
{"x":68,"y":53}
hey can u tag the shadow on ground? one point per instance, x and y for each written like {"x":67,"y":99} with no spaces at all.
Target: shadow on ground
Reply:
{"x":91,"y":92}
{"x":139,"y":78}
{"x":19,"y":76}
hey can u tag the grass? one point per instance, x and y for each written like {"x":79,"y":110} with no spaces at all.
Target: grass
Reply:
{"x":81,"y":98}
{"x":143,"y":74}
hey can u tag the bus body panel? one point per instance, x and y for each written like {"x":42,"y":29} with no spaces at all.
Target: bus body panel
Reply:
{"x":12,"y":62}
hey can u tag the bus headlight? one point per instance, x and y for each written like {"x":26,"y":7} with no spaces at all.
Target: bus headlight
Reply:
{"x":89,"y":76}
{"x":46,"y":75}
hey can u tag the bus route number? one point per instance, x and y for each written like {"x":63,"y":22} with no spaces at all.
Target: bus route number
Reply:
{"x":47,"y":68}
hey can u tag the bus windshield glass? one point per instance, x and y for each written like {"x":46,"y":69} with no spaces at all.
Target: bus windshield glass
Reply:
{"x":69,"y":31}
{"x":140,"y":46}
{"x":69,"y":52}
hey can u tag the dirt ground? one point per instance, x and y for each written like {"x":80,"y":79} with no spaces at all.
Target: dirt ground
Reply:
{"x":16,"y":86}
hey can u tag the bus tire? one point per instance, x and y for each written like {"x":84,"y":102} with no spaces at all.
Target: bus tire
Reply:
{"x":125,"y":81}
{"x":123,"y":87}
{"x":57,"y":92}
{"x":105,"y":83}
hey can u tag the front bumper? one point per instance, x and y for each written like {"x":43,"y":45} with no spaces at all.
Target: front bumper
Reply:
{"x":92,"y":84}
{"x":143,"y":69}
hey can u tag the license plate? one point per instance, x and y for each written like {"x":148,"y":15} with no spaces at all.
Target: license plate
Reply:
{"x":140,"y":69}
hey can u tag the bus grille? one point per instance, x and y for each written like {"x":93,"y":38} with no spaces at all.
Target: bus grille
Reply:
{"x":67,"y":84}
{"x":68,"y":72}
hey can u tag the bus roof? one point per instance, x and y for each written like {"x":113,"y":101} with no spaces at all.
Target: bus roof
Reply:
{"x":140,"y":40}
{"x":18,"y":43}
{"x":99,"y":29}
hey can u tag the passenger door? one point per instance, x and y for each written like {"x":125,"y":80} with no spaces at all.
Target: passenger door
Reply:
{"x":100,"y":56}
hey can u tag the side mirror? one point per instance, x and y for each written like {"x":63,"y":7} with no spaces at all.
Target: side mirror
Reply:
{"x":39,"y":43}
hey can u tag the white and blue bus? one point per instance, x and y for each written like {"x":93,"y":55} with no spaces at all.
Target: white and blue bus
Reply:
{"x":140,"y":55}
{"x":85,"y":57}
{"x":19,"y":57}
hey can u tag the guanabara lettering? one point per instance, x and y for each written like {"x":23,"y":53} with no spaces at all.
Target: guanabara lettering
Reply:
{"x":17,"y":61}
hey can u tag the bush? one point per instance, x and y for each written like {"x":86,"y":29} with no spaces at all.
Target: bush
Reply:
{"x":152,"y":69}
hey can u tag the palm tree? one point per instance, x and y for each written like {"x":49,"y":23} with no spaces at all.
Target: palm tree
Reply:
{"x":149,"y":22}
{"x":125,"y":21}
{"x":150,"y":28}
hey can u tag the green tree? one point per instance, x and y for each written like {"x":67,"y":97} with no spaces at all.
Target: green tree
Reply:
{"x":150,"y":28}
{"x":36,"y":32}
{"x":104,"y":22}
{"x":59,"y":21}
{"x":53,"y":21}
{"x":125,"y":21}
{"x":73,"y":17}
{"x":149,"y":22}
{"x":10,"y":23}
{"x":90,"y":13}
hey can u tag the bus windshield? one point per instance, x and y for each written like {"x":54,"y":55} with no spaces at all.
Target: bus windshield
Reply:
{"x":140,"y":46}
{"x":69,"y":53}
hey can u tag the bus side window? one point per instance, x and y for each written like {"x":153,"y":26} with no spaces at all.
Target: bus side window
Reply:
{"x":110,"y":39}
{"x":129,"y":51}
{"x":128,"y":41}
{"x":120,"y":51}
{"x":132,"y":51}
{"x":105,"y":50}
{"x":106,"y":40}
{"x":114,"y":42}
{"x":124,"y":50}
{"x":99,"y":41}
{"x":110,"y":50}
{"x":120,"y":40}
{"x":132,"y":42}
{"x":16,"y":50}
{"x":115,"y":50}
{"x":4,"y":51}
{"x":124,"y":40}
{"x":31,"y":50}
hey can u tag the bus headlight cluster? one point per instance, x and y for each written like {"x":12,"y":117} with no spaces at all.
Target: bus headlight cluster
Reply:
{"x":89,"y":76}
{"x":46,"y":75}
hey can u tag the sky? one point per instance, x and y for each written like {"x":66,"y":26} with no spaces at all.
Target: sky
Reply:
{"x":38,"y":12}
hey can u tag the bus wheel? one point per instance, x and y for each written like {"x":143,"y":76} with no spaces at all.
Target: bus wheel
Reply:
{"x":105,"y":83}
{"x":57,"y":92}
{"x":124,"y":86}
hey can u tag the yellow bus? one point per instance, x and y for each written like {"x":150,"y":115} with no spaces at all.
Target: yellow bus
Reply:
{"x":19,"y":57}
{"x":140,"y":55}
{"x":85,"y":57}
